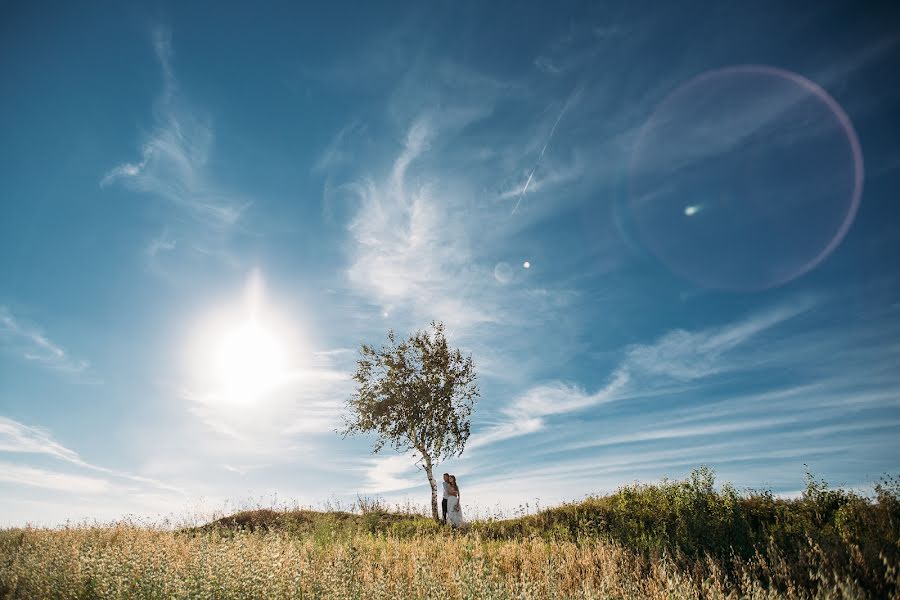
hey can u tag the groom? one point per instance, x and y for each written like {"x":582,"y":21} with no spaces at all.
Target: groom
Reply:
{"x":445,"y":485}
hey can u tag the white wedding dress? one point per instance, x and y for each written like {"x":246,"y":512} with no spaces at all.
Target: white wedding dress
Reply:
{"x":454,"y":511}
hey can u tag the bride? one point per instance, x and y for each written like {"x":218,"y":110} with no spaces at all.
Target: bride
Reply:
{"x":454,"y":512}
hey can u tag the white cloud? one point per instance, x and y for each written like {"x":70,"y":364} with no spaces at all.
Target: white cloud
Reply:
{"x":784,"y":422}
{"x":392,"y":473}
{"x":53,"y":480}
{"x":339,"y":151}
{"x":308,"y":401}
{"x":693,"y":431}
{"x":174,"y":165}
{"x":566,"y":478}
{"x":244,"y":469}
{"x":518,"y":425}
{"x":16,"y":437}
{"x":422,"y":247}
{"x":416,"y":250}
{"x":559,"y":398}
{"x":723,"y":130}
{"x":161,"y":243}
{"x":420,"y":234}
{"x":411,"y":248}
{"x":31,"y":344}
{"x":525,"y":415}
{"x":647,"y":369}
{"x":546,"y":65}
{"x":685,"y":355}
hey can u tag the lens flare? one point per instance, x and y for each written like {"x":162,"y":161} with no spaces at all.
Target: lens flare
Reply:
{"x":503,"y":273}
{"x":745,"y":178}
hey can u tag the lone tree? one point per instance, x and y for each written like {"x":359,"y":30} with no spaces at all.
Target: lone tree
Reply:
{"x":416,"y":394}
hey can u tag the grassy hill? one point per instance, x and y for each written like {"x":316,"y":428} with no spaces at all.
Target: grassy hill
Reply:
{"x":673,"y":539}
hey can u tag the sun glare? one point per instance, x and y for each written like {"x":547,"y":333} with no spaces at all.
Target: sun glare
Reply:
{"x":249,"y":360}
{"x":240,"y":355}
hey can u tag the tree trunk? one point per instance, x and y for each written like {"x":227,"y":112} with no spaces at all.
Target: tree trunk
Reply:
{"x":431,"y":482}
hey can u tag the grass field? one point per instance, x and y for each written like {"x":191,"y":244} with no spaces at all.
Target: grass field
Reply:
{"x":675,"y":539}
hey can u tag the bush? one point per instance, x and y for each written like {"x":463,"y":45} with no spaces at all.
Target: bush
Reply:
{"x":692,"y":520}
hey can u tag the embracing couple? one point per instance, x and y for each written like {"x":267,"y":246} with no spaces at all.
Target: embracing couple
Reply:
{"x":450,"y":508}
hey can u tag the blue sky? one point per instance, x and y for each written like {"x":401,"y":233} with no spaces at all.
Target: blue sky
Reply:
{"x":206,"y":211}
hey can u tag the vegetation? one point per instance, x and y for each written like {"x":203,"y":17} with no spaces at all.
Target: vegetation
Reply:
{"x":417,"y":395}
{"x":676,"y":539}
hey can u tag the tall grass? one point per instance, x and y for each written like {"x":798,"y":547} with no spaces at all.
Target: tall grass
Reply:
{"x":677,"y":539}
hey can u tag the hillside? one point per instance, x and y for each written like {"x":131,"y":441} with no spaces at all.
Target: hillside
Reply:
{"x":674,"y":539}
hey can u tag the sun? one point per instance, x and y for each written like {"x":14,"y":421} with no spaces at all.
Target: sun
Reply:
{"x":241,"y":354}
{"x":249,"y":361}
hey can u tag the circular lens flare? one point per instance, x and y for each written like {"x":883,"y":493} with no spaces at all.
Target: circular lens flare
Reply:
{"x":745,"y":178}
{"x":503,"y":273}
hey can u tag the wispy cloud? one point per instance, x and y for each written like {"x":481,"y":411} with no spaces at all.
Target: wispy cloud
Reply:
{"x":526,"y":414}
{"x":390,"y":473}
{"x":767,"y":457}
{"x":519,"y":424}
{"x":174,"y":166}
{"x":782,"y":426}
{"x":758,"y":452}
{"x":31,"y":344}
{"x":687,"y":355}
{"x":161,"y":243}
{"x":340,"y":150}
{"x":677,"y":357}
{"x":609,"y":127}
{"x":53,"y":480}
{"x":16,"y":437}
{"x":422,"y":246}
{"x":414,"y":224}
{"x":244,"y":469}
{"x":307,"y":401}
{"x":411,"y":248}
{"x":546,"y":64}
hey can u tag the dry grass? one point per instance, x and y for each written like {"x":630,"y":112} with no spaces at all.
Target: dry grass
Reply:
{"x":126,"y":561}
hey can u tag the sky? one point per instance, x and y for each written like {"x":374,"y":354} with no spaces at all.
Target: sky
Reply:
{"x":663,"y":233}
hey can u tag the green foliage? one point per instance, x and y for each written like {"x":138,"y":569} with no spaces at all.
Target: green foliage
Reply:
{"x":692,"y":519}
{"x":416,"y":395}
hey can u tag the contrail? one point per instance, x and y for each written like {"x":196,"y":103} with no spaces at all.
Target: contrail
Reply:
{"x":559,"y":117}
{"x":541,"y":155}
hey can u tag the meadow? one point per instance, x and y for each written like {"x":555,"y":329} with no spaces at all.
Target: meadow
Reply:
{"x":674,"y":539}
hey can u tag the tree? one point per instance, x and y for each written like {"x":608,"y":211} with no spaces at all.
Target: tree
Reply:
{"x":416,"y":394}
